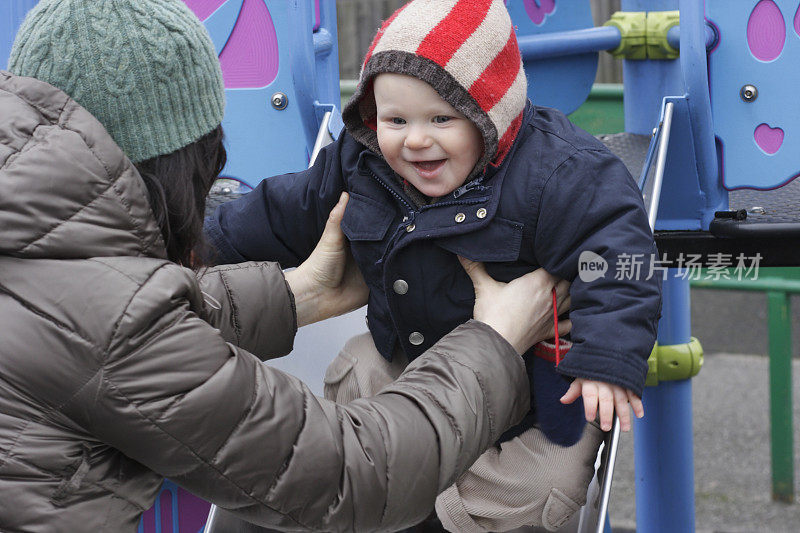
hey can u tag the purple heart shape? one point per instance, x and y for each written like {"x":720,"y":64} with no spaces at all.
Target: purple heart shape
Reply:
{"x":768,"y":139}
{"x":538,"y":9}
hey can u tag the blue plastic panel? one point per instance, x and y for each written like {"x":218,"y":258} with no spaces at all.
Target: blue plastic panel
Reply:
{"x":268,"y":47}
{"x":276,"y":50}
{"x":681,"y":206}
{"x":759,"y":45}
{"x":12,"y":12}
{"x":562,"y":82}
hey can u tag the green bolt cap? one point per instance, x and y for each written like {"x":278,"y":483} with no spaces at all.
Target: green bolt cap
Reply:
{"x":658,"y":24}
{"x":674,"y":362}
{"x":632,"y":25}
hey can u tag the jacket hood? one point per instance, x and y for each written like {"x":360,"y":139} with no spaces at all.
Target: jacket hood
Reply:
{"x":68,"y":190}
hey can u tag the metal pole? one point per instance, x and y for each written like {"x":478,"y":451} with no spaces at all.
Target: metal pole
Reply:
{"x":663,"y":438}
{"x":661,"y":164}
{"x":566,"y":43}
{"x":780,"y":396}
{"x":674,"y":37}
{"x":603,"y":518}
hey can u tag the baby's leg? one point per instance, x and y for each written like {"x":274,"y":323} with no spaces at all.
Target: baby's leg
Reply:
{"x":529,"y":481}
{"x":360,"y":371}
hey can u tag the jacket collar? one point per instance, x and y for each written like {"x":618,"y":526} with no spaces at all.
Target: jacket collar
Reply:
{"x":443,"y":218}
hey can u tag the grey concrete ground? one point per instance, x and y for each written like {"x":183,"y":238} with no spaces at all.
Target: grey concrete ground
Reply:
{"x":731,"y":446}
{"x":736,"y":321}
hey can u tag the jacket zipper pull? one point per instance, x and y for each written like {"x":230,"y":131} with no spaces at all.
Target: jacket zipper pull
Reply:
{"x":466,"y":188}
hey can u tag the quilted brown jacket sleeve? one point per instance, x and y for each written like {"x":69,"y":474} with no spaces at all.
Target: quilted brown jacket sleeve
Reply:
{"x":178,"y":396}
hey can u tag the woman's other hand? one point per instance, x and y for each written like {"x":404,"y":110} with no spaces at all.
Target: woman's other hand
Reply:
{"x":328,"y":283}
{"x":520,"y":311}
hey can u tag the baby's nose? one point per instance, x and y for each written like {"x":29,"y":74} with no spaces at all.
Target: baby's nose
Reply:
{"x":417,"y":138}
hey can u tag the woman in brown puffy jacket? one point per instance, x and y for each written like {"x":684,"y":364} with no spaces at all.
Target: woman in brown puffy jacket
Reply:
{"x":120,"y":365}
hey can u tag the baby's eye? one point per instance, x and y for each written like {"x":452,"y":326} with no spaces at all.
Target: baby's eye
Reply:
{"x":441,"y":119}
{"x":398,"y":121}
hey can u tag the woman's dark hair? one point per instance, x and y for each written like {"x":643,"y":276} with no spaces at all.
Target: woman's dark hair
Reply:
{"x":177,"y":184}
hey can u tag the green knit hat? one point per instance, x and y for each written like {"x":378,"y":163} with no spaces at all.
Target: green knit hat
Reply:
{"x":146,"y":69}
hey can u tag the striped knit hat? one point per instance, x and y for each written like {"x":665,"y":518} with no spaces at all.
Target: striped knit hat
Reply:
{"x":467,"y":51}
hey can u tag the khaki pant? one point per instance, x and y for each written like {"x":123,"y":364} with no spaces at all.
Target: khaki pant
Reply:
{"x":528,"y":481}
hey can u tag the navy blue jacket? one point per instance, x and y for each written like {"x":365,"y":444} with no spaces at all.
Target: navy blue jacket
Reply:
{"x":559,"y":192}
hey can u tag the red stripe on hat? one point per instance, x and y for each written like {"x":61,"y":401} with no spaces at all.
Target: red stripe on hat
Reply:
{"x":501,"y":73}
{"x":380,"y":33}
{"x":449,"y":35}
{"x":508,"y":139}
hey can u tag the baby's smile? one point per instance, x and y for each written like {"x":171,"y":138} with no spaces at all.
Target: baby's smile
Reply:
{"x":429,"y":169}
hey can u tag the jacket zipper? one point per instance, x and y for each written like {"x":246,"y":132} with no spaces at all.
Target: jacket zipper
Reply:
{"x":471,"y":201}
{"x":394,"y":193}
{"x":407,"y":220}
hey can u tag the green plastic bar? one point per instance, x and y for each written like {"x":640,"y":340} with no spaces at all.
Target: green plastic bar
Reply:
{"x":780,"y":396}
{"x":606,"y":91}
{"x":765,"y":285}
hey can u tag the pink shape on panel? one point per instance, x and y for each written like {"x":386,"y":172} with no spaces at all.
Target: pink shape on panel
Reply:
{"x":538,"y":12}
{"x":797,"y":21}
{"x":204,"y":8}
{"x":149,"y":520}
{"x":166,"y":512}
{"x":250,"y":58}
{"x":317,"y":19}
{"x":768,"y":139}
{"x":766,"y":31}
{"x":192,"y":510}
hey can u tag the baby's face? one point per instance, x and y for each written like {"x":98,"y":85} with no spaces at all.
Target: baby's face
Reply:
{"x":422,"y":137}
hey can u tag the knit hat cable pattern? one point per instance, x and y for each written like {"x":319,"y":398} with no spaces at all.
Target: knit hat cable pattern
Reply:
{"x":146,"y":69}
{"x":467,"y":51}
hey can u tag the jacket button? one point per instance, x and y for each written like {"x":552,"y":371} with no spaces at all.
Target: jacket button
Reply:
{"x":400,"y":286}
{"x":460,"y":218}
{"x":410,"y":228}
{"x":416,"y":338}
{"x":481,"y":213}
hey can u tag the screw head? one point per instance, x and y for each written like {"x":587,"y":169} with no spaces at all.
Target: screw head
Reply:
{"x":749,"y":93}
{"x":279,"y":101}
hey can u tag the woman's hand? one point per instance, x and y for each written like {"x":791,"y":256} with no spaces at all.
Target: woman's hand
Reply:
{"x":520,"y":311}
{"x":328,"y":283}
{"x":607,"y":397}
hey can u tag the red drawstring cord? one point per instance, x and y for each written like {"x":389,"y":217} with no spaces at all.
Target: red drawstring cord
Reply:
{"x":555,"y":327}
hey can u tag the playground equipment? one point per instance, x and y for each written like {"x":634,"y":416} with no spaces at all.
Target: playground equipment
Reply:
{"x":709,"y":115}
{"x":778,"y":291}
